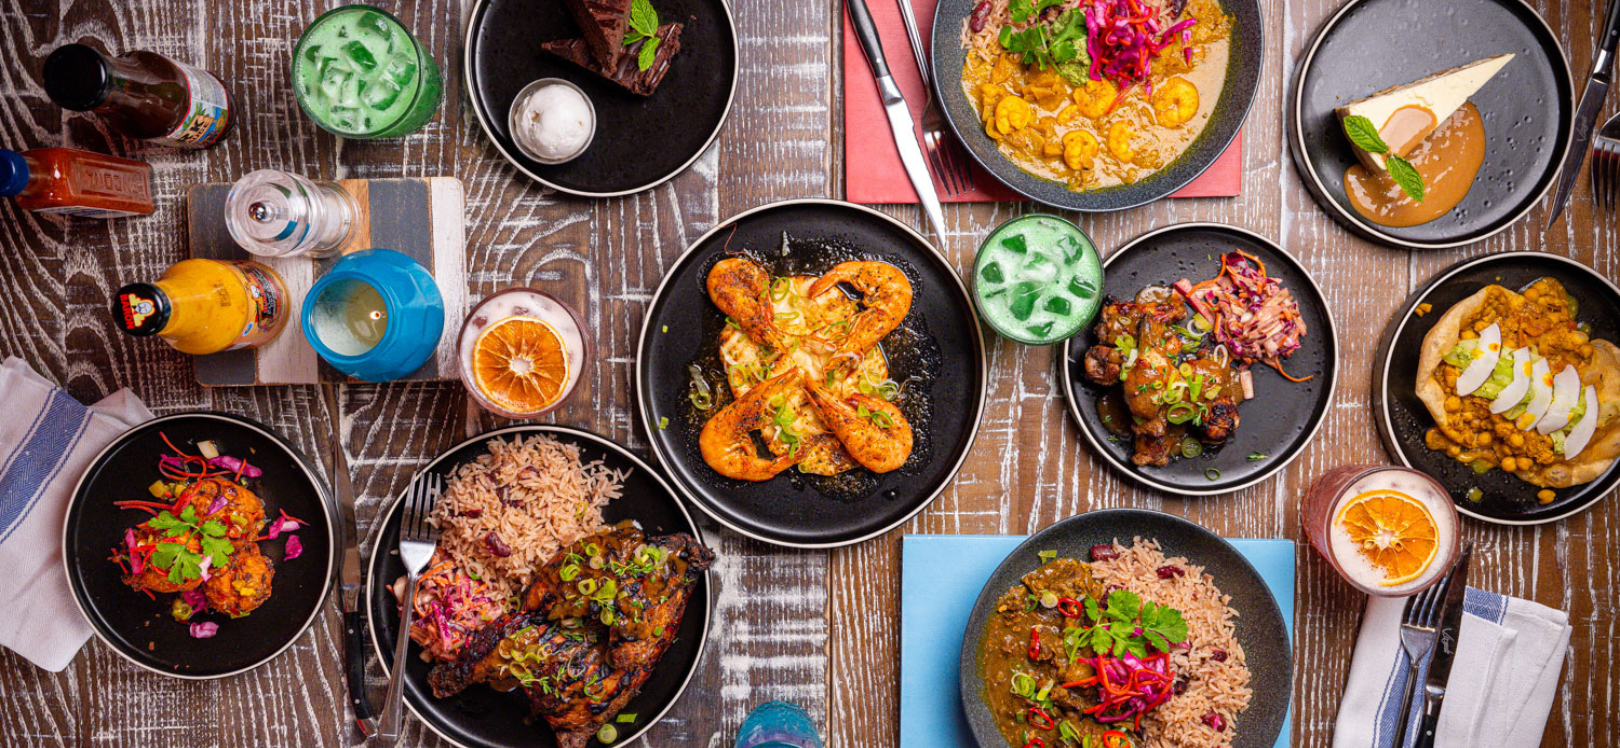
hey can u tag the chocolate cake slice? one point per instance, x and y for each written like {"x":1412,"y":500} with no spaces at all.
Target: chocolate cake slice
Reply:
{"x":626,"y":70}
{"x":603,"y":22}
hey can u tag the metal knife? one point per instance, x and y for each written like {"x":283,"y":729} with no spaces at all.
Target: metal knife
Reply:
{"x":1586,"y":114}
{"x":1445,"y":650}
{"x":354,"y":643}
{"x":894,"y":104}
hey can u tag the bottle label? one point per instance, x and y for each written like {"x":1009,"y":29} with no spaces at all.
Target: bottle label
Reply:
{"x":209,"y":110}
{"x":74,"y":210}
{"x":266,"y":305}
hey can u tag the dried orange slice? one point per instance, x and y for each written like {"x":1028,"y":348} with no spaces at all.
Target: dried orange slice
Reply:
{"x":520,"y":364}
{"x":1393,"y":530}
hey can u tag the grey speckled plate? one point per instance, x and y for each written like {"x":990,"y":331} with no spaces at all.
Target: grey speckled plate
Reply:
{"x":1259,"y":625}
{"x":1528,"y":108}
{"x":1242,"y":77}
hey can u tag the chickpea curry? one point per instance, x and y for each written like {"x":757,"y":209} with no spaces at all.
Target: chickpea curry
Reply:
{"x":1095,"y":93}
{"x":1516,"y":381}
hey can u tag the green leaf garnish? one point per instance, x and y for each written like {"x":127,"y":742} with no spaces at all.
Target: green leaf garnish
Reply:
{"x":649,"y":52}
{"x":1406,"y":175}
{"x":1364,"y":134}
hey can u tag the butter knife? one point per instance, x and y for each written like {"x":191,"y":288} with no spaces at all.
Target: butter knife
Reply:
{"x":354,"y":643}
{"x":894,"y":105}
{"x":1445,"y":650}
{"x":1586,"y":114}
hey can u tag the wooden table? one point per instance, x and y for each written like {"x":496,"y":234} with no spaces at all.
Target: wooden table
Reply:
{"x":820,"y":628}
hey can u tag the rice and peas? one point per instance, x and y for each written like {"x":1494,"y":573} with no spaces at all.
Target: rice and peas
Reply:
{"x":501,"y":517}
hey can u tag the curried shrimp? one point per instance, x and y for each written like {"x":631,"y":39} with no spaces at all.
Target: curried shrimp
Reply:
{"x":873,"y":431}
{"x":741,"y":288}
{"x":1096,"y":98}
{"x":727,"y":441}
{"x":886,"y":299}
{"x":1175,"y":102}
{"x":1119,"y":140}
{"x":1079,"y":150}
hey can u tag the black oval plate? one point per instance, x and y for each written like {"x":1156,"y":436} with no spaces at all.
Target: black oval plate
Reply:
{"x":641,"y":141}
{"x":1528,"y":108}
{"x":1242,"y":78}
{"x":940,"y":342}
{"x":1284,"y":415}
{"x":481,"y":716}
{"x":1402,"y":418}
{"x":138,"y":627}
{"x":1259,"y":625}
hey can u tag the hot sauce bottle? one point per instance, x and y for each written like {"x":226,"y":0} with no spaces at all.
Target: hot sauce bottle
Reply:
{"x":141,"y":94}
{"x":206,"y":306}
{"x":76,"y":183}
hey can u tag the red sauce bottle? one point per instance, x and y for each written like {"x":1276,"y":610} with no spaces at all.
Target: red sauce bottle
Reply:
{"x":76,"y":183}
{"x":141,"y":94}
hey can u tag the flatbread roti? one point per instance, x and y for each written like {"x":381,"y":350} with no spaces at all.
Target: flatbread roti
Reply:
{"x":1602,"y":372}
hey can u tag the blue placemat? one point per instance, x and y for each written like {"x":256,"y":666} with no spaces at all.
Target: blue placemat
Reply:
{"x":941,"y":577}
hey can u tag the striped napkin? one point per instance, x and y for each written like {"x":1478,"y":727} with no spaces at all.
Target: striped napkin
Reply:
{"x":47,"y":439}
{"x":1509,"y":656}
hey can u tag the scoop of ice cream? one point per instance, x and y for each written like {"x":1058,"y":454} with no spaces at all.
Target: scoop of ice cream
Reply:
{"x":555,"y":122}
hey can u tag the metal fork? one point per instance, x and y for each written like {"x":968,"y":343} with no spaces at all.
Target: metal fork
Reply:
{"x":417,"y":538}
{"x":1418,"y":624}
{"x":945,"y":160}
{"x":1606,"y":163}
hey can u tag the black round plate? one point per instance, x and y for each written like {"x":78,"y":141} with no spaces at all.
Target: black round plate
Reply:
{"x":1258,"y":626}
{"x":939,"y":344}
{"x":641,"y":141}
{"x":1242,"y":78}
{"x":1284,"y":415}
{"x":1402,"y":418}
{"x":140,"y":628}
{"x":1528,"y":108}
{"x":481,"y":716}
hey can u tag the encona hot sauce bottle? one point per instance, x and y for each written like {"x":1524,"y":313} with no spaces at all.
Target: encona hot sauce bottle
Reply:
{"x":141,"y":94}
{"x":207,"y":306}
{"x":70,"y":182}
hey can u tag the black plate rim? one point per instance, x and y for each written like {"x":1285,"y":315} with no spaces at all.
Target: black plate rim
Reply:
{"x":475,"y":22}
{"x":1076,"y":201}
{"x":333,"y":541}
{"x":1349,"y":219}
{"x":1386,"y":345}
{"x":967,"y":678}
{"x":1130,"y":471}
{"x":981,"y":363}
{"x":386,"y":658}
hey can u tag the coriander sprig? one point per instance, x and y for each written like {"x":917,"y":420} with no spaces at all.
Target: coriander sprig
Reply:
{"x":1161,"y":625}
{"x":1364,"y":134}
{"x":643,"y":25}
{"x":174,"y":553}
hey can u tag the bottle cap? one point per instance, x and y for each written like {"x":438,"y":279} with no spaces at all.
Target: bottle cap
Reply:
{"x":13,"y":172}
{"x":142,"y":309}
{"x":78,"y":77}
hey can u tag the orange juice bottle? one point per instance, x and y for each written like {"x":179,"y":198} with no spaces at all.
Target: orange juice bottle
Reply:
{"x":207,"y":306}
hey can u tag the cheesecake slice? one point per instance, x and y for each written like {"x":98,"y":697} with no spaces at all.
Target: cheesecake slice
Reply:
{"x":1405,"y":115}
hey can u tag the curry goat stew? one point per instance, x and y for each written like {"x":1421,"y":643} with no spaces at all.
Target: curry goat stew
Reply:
{"x":1096,"y":134}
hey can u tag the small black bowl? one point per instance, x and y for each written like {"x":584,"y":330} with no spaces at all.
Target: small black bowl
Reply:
{"x":641,"y":141}
{"x":480,"y":716}
{"x":140,"y":628}
{"x":1402,"y":418}
{"x":1242,"y":79}
{"x":1528,"y":109}
{"x":1283,"y":417}
{"x":1258,"y":625}
{"x":938,"y":348}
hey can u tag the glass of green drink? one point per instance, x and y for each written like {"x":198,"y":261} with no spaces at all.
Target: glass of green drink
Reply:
{"x":359,"y":73}
{"x":1037,"y":279}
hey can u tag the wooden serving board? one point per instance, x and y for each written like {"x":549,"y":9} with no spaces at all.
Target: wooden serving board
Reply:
{"x":419,"y":217}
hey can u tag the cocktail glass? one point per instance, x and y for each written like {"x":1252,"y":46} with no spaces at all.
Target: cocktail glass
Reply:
{"x":1039,"y":290}
{"x":359,"y":73}
{"x":1320,"y":506}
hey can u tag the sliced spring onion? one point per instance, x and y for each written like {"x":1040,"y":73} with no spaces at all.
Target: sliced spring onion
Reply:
{"x":663,"y":422}
{"x":626,"y":718}
{"x":701,"y":394}
{"x":1191,"y":448}
{"x":1212,"y":474}
{"x":568,"y":573}
{"x":1180,"y":413}
{"x":607,"y":734}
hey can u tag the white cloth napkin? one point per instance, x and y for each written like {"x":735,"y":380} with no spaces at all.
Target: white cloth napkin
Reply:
{"x":47,"y":440}
{"x":1509,"y":656}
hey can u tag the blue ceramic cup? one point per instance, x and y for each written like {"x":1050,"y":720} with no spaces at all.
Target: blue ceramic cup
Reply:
{"x":376,"y":315}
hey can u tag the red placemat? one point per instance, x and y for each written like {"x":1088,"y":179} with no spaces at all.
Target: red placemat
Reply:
{"x":872,"y":168}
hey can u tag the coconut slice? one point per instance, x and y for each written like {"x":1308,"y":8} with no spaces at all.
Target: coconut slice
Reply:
{"x":1541,"y":395}
{"x":1566,"y":393}
{"x":1485,"y":357}
{"x":1581,"y":434}
{"x":1513,"y":394}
